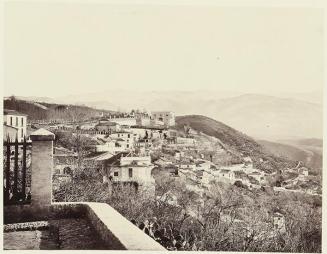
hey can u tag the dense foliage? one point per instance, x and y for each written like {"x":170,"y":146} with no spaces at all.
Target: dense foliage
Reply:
{"x":230,"y":218}
{"x":52,"y":111}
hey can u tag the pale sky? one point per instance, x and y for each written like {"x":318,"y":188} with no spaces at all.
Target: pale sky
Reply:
{"x":55,"y":49}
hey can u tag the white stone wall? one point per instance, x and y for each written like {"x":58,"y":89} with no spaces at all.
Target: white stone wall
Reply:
{"x":141,"y":175}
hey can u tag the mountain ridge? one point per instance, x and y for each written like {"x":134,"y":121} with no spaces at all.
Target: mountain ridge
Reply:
{"x":236,"y":141}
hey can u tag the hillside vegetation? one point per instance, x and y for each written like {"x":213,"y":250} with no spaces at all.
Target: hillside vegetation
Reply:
{"x":235,"y":141}
{"x":47,"y":111}
{"x":310,"y":157}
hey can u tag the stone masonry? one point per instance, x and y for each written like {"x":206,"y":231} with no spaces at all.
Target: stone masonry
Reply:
{"x":42,"y":164}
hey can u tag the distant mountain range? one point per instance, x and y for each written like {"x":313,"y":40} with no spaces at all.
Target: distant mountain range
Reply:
{"x":260,"y":116}
{"x":307,"y":151}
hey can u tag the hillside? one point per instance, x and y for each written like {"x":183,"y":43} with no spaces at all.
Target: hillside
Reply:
{"x":45,"y":111}
{"x":312,"y":158}
{"x":309,"y":142}
{"x":235,"y":141}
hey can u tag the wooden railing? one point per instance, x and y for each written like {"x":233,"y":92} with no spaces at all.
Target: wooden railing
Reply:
{"x":16,"y":175}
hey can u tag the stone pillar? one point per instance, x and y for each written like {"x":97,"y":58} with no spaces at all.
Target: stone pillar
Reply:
{"x":42,"y":166}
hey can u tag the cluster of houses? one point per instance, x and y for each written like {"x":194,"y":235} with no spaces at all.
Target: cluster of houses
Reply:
{"x":141,"y":134}
{"x":123,"y":144}
{"x":203,"y":172}
{"x":123,"y":147}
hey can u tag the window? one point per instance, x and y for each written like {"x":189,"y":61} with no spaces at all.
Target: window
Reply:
{"x":67,"y":170}
{"x":116,"y":173}
{"x":130,"y":172}
{"x":17,"y":121}
{"x":22,"y":121}
{"x":127,"y":145}
{"x":22,"y":133}
{"x":129,"y":135}
{"x":11,"y":121}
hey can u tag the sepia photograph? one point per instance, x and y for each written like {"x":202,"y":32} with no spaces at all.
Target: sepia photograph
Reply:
{"x":162,"y":126}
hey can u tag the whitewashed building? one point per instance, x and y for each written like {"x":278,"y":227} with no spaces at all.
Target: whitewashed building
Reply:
{"x":112,"y":146}
{"x":279,"y":222}
{"x":124,"y":139}
{"x":16,"y":120}
{"x":224,"y":175}
{"x":185,"y":141}
{"x":163,"y":117}
{"x":133,"y":169}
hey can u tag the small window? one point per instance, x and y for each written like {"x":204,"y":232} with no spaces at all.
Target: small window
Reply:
{"x":22,"y":133}
{"x":116,"y":173}
{"x":22,"y":121}
{"x":130,"y":172}
{"x":17,"y":121}
{"x":129,"y":135}
{"x":11,"y":121}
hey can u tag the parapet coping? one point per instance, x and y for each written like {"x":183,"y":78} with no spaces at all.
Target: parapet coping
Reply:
{"x":42,"y":135}
{"x":129,"y":235}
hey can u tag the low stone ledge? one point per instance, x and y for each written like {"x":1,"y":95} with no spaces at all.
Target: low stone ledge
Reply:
{"x":111,"y":223}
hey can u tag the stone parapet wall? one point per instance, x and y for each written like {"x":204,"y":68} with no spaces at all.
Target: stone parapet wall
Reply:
{"x":115,"y":230}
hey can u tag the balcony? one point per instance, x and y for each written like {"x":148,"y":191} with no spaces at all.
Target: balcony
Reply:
{"x":46,"y":225}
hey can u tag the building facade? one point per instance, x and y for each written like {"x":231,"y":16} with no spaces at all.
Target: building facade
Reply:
{"x":165,"y":117}
{"x":12,"y":118}
{"x":107,"y":127}
{"x":133,"y":169}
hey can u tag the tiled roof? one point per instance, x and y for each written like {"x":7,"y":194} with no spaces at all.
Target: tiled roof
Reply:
{"x":12,"y":112}
{"x":106,"y":124}
{"x":104,"y":156}
{"x":148,"y":127}
{"x":9,"y":126}
{"x":224,"y":171}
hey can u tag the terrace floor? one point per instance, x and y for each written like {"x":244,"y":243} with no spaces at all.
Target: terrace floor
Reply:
{"x":62,"y":234}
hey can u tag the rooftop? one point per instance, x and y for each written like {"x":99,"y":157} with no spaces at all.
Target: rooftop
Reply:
{"x":9,"y":126}
{"x":13,"y":112}
{"x":102,"y":156}
{"x":149,"y":127}
{"x":106,"y":124}
{"x":224,"y":171}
